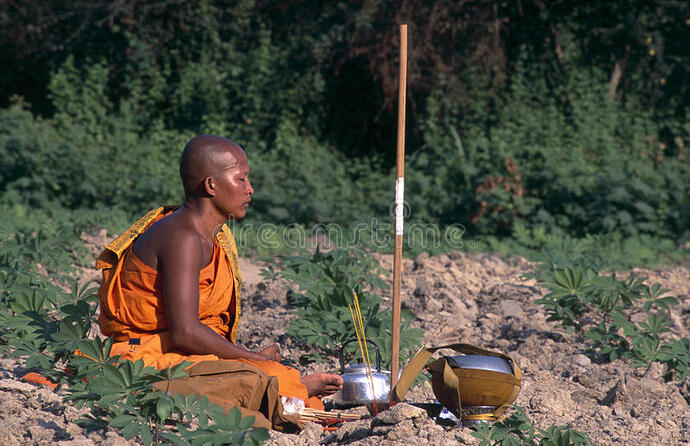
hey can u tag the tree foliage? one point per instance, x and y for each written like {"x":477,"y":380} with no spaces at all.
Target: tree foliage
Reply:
{"x":564,"y":117}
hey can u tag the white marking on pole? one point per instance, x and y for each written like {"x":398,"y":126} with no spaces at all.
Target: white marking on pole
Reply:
{"x":399,"y":205}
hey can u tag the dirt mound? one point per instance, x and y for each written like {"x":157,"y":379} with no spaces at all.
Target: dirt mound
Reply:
{"x":479,"y":299}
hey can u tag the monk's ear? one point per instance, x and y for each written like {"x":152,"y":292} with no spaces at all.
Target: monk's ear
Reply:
{"x":209,"y":185}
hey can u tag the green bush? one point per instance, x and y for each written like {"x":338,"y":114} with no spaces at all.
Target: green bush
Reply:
{"x":559,"y":157}
{"x":600,"y":308}
{"x":542,"y":152}
{"x":46,"y":164}
{"x":303,"y":181}
{"x":326,"y":282}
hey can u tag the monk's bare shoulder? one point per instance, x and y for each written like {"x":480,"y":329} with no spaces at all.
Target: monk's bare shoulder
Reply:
{"x":170,"y":240}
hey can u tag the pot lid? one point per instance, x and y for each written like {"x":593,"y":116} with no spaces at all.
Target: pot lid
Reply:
{"x":356,"y":367}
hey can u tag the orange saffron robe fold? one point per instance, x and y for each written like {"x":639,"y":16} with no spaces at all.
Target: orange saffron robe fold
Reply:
{"x":133,"y":312}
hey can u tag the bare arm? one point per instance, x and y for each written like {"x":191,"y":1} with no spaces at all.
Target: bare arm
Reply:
{"x":179,"y":266}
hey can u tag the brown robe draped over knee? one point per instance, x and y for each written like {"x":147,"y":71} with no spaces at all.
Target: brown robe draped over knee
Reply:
{"x":133,"y":313}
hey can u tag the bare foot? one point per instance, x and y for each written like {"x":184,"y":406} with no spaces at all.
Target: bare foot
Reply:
{"x":322,"y":384}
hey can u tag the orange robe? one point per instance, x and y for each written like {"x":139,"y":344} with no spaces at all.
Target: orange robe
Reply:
{"x":133,"y":313}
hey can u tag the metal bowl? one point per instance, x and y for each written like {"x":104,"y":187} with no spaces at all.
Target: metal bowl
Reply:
{"x":481,"y":362}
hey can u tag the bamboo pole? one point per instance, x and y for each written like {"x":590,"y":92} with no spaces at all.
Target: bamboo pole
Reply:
{"x":399,"y":200}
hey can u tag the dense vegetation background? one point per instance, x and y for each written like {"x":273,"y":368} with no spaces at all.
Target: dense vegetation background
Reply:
{"x":528,"y":120}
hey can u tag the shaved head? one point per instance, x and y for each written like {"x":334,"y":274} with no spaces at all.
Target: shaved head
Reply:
{"x":206,"y":156}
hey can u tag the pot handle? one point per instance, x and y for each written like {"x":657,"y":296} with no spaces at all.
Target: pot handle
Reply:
{"x":342,"y":353}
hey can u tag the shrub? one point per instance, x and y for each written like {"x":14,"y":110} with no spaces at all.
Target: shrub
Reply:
{"x":326,"y":282}
{"x":561,"y":157}
{"x":600,"y":308}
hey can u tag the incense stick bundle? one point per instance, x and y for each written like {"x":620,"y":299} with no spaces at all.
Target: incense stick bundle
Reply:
{"x":359,"y":339}
{"x":364,"y":335}
{"x":321,"y":416}
{"x":359,"y":327}
{"x":365,"y":359}
{"x":336,"y":414}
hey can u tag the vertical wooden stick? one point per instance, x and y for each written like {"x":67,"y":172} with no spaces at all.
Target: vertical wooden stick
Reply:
{"x":399,"y":209}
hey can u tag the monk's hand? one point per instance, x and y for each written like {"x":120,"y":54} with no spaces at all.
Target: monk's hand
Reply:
{"x":271,"y":353}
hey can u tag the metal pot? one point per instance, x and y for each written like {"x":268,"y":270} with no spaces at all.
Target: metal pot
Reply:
{"x":356,"y":389}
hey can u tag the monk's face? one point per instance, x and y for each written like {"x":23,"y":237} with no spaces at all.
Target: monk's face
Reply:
{"x":234,"y":191}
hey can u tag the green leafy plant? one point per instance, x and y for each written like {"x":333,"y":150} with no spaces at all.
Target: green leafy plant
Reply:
{"x":599,"y":308}
{"x":216,"y":428}
{"x":45,"y":312}
{"x":568,"y":292}
{"x":326,"y":282}
{"x":518,"y":430}
{"x":120,"y":395}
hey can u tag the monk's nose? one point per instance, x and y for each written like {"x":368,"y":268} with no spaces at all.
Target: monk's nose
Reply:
{"x":250,"y":190}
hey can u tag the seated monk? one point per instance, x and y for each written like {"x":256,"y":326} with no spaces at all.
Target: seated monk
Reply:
{"x":171,"y":283}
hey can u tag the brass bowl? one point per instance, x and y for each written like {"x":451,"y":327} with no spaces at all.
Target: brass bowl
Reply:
{"x":483,"y":381}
